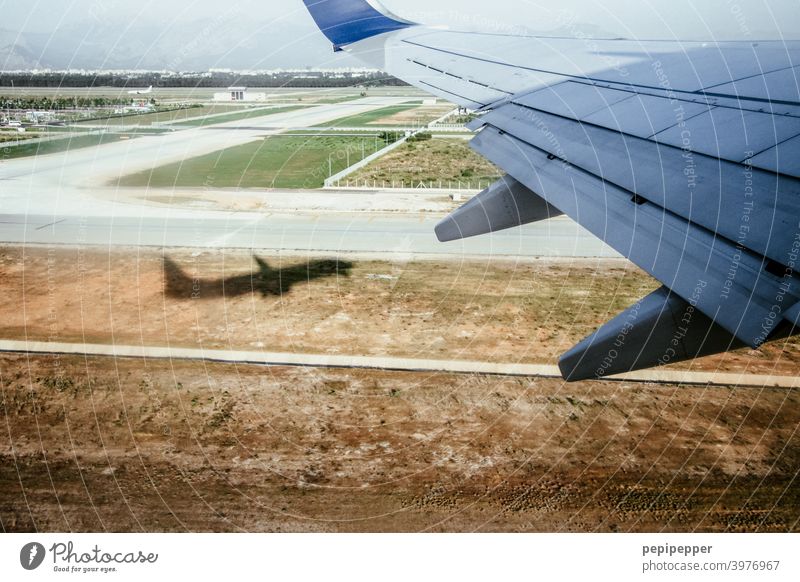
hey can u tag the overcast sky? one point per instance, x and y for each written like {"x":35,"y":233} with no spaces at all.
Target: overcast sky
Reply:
{"x":695,"y":19}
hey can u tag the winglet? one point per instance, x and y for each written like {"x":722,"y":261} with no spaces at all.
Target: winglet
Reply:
{"x":347,"y":21}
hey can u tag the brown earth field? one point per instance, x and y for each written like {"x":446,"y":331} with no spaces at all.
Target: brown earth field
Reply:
{"x":448,"y":161}
{"x":415,"y":117}
{"x":129,"y":445}
{"x":227,"y":299}
{"x":102,"y":444}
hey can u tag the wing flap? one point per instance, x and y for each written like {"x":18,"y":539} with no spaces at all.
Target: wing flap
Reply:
{"x":573,"y":99}
{"x":782,"y":157}
{"x":720,"y":129}
{"x":730,"y":134}
{"x":756,"y":209}
{"x":721,"y":279}
{"x":643,"y":115}
{"x":780,"y":85}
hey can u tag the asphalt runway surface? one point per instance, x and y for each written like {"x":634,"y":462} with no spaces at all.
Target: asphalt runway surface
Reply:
{"x":397,"y":236}
{"x":65,"y":199}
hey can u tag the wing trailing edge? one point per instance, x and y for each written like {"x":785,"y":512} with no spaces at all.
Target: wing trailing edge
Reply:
{"x":347,"y":21}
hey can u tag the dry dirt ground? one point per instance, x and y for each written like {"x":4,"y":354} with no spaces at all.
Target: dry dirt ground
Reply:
{"x":92,"y":444}
{"x":220,"y":299}
{"x":101,"y":445}
{"x":415,"y":117}
{"x":449,"y":160}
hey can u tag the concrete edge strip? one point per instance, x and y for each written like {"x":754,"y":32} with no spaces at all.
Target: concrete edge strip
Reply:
{"x":385,"y":363}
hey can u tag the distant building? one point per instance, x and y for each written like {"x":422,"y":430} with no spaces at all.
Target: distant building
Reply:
{"x":40,"y":116}
{"x":136,"y":109}
{"x":239,"y":94}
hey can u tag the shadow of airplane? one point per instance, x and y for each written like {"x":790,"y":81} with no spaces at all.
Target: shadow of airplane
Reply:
{"x":268,"y":281}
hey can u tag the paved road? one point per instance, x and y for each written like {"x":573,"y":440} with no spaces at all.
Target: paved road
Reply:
{"x":385,"y":363}
{"x":398,"y":237}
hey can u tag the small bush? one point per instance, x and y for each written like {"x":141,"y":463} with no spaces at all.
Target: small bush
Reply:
{"x":389,"y":137}
{"x":424,"y":136}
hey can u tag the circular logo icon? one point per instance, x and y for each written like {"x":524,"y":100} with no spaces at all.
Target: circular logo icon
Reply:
{"x":32,"y":555}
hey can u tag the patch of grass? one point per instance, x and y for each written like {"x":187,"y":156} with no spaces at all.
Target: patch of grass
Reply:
{"x":58,"y":383}
{"x":430,"y":161}
{"x":147,"y":130}
{"x":16,"y":136}
{"x":164,"y":116}
{"x":144,"y":130}
{"x":250,"y":114}
{"x":364,"y":119}
{"x":416,"y":117}
{"x":276,"y":162}
{"x":365,"y":131}
{"x":462,"y":118}
{"x":422,"y":136}
{"x":66,"y":129}
{"x":61,"y":145}
{"x":331,"y":100}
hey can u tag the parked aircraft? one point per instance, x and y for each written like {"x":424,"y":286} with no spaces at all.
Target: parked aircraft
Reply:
{"x":141,"y":91}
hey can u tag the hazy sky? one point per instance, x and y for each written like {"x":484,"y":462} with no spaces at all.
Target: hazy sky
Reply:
{"x":642,"y":17}
{"x":696,"y":19}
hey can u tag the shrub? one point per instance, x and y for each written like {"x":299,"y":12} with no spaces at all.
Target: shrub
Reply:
{"x":423,"y":136}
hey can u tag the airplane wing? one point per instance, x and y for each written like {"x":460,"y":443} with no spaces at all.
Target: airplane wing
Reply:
{"x":682,"y":156}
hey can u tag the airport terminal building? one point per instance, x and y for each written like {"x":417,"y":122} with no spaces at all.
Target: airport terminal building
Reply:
{"x":240,"y":94}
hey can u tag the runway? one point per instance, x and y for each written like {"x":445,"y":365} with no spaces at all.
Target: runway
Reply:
{"x":67,"y":199}
{"x":65,"y":183}
{"x":343,"y":234}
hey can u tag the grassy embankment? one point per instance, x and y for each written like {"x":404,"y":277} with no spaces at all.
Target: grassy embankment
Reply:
{"x":238,"y":116}
{"x":62,"y":145}
{"x":448,"y":161}
{"x":172,"y":115}
{"x":276,"y":162}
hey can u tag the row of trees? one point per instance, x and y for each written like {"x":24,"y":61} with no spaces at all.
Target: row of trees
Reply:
{"x":60,"y":103}
{"x":193,"y":80}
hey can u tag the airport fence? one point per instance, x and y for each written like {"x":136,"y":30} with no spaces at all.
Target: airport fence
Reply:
{"x":337,"y":178}
{"x":443,"y":185}
{"x":449,"y":128}
{"x":335,"y":181}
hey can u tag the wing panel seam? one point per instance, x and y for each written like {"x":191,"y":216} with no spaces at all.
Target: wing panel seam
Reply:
{"x":595,"y":80}
{"x":651,"y":141}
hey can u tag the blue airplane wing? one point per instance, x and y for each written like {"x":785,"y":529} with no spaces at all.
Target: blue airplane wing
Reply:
{"x":682,"y":156}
